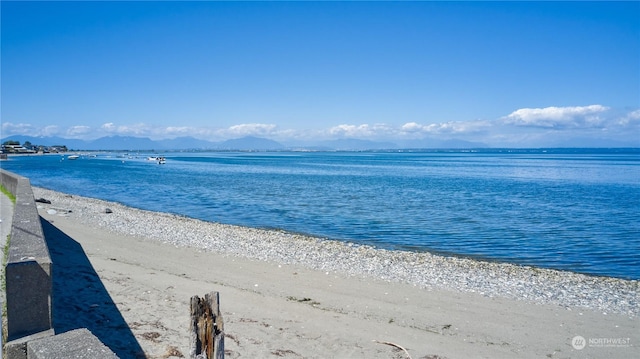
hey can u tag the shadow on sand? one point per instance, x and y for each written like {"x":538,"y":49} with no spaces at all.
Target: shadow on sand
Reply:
{"x":80,"y":300}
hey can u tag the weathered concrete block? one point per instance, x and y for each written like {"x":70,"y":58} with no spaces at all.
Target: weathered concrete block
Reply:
{"x":28,"y":286}
{"x":17,"y":349}
{"x":28,"y":268}
{"x":77,"y":344}
{"x":9,"y":180}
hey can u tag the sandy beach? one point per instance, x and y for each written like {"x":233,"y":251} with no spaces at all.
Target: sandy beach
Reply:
{"x":128,"y":275}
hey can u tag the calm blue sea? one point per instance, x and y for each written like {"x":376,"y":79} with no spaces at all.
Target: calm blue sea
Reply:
{"x":574,"y":210}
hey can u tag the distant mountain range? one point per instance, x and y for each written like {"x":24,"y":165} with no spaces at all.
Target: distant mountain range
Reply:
{"x":249,"y":143}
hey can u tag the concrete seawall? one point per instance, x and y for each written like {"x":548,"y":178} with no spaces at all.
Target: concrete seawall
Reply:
{"x":28,"y":267}
{"x":28,"y":279}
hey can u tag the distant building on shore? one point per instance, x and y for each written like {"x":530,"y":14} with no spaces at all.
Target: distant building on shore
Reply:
{"x":10,"y":148}
{"x":14,"y":147}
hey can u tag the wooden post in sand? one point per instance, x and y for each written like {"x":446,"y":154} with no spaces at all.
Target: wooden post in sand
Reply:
{"x":207,"y":328}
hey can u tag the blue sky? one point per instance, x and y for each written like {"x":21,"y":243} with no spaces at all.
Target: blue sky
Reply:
{"x":502,"y":73}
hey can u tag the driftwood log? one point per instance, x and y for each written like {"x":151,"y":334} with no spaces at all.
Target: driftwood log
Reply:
{"x":207,"y":328}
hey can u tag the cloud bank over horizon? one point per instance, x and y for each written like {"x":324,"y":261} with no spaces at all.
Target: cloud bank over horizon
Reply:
{"x":591,"y":125}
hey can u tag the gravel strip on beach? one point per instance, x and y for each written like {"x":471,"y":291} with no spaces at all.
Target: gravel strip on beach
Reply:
{"x":426,"y":270}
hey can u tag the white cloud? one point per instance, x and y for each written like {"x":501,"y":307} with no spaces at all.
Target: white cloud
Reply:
{"x":253,"y":129}
{"x":9,"y":129}
{"x":558,"y":117}
{"x":178,"y":131}
{"x":631,"y":119}
{"x":635,"y":115}
{"x":378,"y":130}
{"x":411,"y":127}
{"x":77,"y":131}
{"x":138,"y":129}
{"x":109,"y":127}
{"x":414,"y":129}
{"x":51,"y":130}
{"x":350,"y":130}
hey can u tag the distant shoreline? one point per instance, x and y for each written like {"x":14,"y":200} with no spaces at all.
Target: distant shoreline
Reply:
{"x":479,"y":150}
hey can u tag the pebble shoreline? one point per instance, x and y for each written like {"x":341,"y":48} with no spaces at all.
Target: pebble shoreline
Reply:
{"x":542,"y":286}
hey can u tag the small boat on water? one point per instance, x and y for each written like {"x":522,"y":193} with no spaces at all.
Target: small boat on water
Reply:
{"x":160,"y":160}
{"x":73,"y":157}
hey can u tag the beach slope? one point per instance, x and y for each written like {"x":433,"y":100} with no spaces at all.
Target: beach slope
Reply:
{"x":133,"y":273}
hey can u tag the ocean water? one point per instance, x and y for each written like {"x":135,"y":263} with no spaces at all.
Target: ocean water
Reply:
{"x":574,"y":210}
